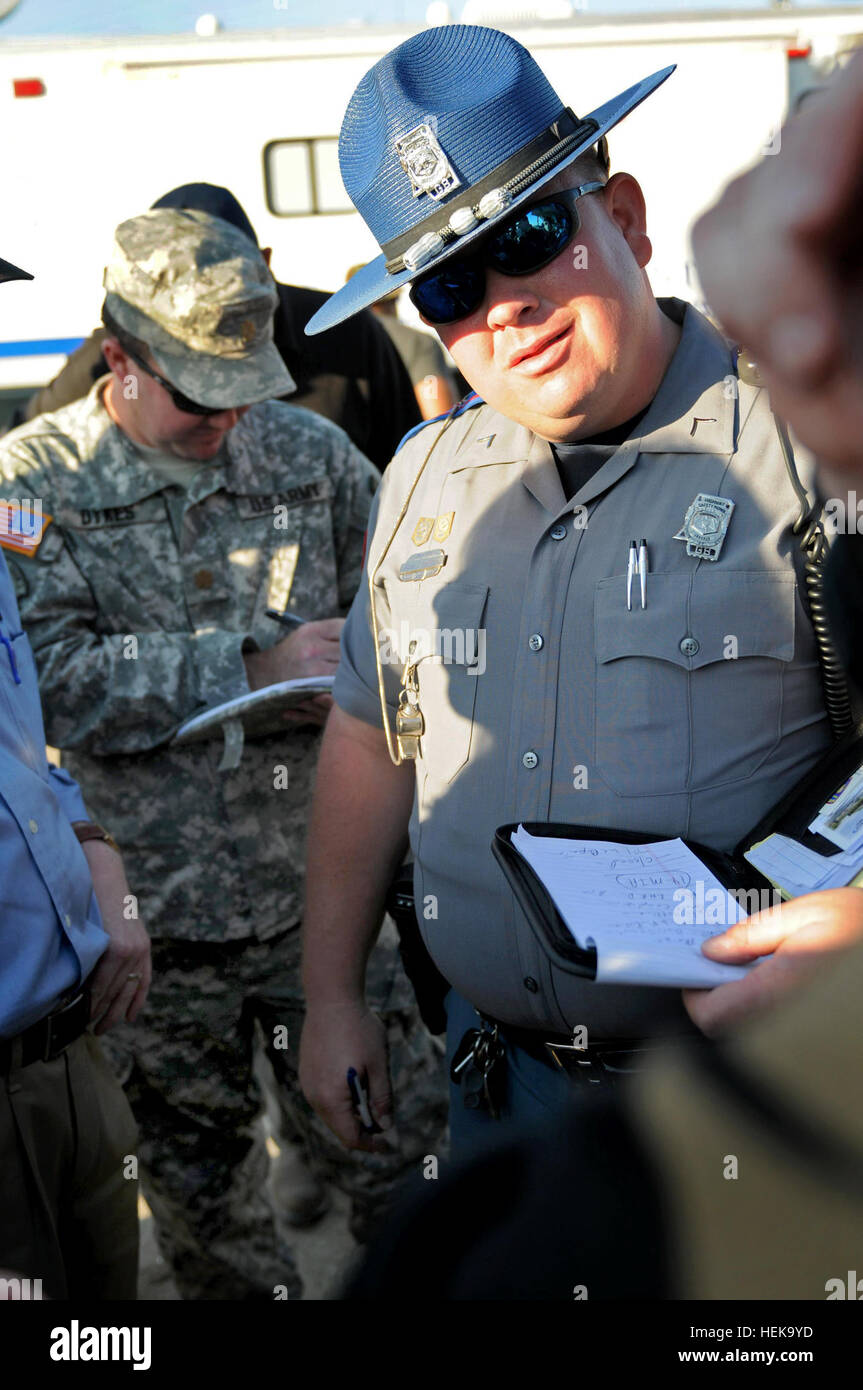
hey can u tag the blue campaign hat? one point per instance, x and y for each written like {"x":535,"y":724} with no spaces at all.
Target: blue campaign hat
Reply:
{"x":444,"y":136}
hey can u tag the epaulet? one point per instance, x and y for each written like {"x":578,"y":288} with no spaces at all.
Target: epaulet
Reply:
{"x":468,"y":403}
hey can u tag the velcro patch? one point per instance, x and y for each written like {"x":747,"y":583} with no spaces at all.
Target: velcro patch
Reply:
{"x":22,"y":526}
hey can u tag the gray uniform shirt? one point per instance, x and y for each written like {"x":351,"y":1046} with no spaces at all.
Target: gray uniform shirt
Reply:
{"x":690,"y":717}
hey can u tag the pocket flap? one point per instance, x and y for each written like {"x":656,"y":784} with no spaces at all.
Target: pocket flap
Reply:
{"x":727,"y":614}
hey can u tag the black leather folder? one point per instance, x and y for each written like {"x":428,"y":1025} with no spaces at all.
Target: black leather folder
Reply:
{"x":790,"y":816}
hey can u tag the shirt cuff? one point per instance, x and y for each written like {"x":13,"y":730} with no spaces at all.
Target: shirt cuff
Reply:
{"x":219,"y":664}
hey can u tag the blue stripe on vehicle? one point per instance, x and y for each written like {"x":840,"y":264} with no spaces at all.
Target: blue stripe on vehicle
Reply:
{"x":40,"y":347}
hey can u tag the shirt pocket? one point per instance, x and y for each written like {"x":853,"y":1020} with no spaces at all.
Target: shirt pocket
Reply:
{"x":689,"y":689}
{"x":450,"y":655}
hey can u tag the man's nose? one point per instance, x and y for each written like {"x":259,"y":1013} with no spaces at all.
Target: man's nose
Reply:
{"x":509,"y":298}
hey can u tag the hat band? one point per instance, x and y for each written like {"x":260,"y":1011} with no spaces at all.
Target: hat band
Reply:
{"x":490,"y":196}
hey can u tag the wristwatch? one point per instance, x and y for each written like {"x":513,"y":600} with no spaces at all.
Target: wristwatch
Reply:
{"x":89,"y":830}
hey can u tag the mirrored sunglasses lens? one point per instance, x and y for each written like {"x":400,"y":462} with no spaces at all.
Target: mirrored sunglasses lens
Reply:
{"x":533,"y":239}
{"x":451,"y":294}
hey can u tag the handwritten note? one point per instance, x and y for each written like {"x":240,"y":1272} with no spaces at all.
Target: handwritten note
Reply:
{"x":646,"y":908}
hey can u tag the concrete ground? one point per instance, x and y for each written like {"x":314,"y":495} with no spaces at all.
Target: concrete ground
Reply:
{"x":323,"y":1252}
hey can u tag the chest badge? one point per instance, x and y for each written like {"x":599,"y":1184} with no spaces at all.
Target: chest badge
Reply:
{"x":705,"y":526}
{"x":423,"y":565}
{"x":423,"y":529}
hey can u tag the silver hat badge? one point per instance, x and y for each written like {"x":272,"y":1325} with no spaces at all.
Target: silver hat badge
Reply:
{"x":426,"y":163}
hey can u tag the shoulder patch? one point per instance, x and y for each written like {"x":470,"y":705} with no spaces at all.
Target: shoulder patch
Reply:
{"x":467,"y":404}
{"x":22,"y":525}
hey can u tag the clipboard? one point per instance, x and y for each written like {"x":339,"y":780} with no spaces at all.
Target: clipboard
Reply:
{"x":790,"y":816}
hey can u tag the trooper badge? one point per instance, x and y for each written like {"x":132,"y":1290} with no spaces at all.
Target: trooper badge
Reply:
{"x":425,"y":163}
{"x":705,"y":526}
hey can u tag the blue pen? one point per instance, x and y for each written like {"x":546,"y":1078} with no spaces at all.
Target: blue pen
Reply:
{"x":368,"y":1124}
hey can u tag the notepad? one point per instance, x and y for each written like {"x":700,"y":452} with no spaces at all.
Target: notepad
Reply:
{"x":259,"y":710}
{"x":646,"y":908}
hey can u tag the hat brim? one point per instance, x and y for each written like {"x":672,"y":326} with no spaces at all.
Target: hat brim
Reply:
{"x":227,"y":381}
{"x":8,"y":271}
{"x":373,"y":282}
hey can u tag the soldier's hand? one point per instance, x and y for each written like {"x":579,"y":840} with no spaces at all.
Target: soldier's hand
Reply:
{"x":795,"y":939}
{"x":313,"y":711}
{"x":780,"y":261}
{"x":310,"y":650}
{"x":336,"y":1037}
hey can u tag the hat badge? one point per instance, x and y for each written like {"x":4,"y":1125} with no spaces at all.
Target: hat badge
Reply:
{"x":426,"y":164}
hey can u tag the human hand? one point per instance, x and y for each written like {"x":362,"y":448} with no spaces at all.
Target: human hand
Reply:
{"x":798,"y":936}
{"x":780,"y":261}
{"x":119,"y":984}
{"x":334,"y":1038}
{"x":313,"y":711}
{"x":310,"y":650}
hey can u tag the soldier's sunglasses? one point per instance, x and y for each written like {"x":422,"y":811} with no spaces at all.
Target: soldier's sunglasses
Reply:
{"x":179,"y":400}
{"x":525,"y":242}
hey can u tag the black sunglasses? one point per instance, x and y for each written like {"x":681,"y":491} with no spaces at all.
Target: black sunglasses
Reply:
{"x":180,"y":401}
{"x":525,"y":242}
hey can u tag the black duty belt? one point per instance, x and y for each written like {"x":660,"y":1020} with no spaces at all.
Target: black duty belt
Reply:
{"x":45,"y":1040}
{"x":600,"y":1063}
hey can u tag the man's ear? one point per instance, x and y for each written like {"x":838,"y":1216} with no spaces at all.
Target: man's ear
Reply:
{"x":624,"y":203}
{"x":115,"y":357}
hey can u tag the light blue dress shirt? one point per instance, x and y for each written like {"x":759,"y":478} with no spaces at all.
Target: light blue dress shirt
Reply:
{"x":50,"y":929}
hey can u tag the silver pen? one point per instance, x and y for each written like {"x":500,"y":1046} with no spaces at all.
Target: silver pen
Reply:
{"x":642,"y":570}
{"x":631,"y":569}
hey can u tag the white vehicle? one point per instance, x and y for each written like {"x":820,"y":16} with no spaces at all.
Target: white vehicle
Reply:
{"x":95,"y":130}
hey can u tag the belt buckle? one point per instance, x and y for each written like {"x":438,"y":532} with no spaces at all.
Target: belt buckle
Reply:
{"x":58,"y":1014}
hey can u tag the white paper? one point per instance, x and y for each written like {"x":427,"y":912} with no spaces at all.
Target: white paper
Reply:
{"x":796,"y":869}
{"x":293,"y":692}
{"x":841,"y":817}
{"x":647,"y":908}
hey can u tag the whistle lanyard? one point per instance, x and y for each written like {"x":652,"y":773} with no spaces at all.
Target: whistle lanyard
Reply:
{"x":410,"y":724}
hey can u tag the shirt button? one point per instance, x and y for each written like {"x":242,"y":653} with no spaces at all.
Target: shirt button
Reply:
{"x":203,"y":579}
{"x":529,"y":758}
{"x":557,"y":532}
{"x":530,"y":983}
{"x":689,"y":646}
{"x":34,"y":825}
{"x":535,"y":642}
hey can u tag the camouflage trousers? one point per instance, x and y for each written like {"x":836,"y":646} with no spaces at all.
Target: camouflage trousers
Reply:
{"x":187,"y":1067}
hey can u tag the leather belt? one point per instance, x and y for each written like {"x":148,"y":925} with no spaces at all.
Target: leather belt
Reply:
{"x":601,"y":1063}
{"x":45,"y":1040}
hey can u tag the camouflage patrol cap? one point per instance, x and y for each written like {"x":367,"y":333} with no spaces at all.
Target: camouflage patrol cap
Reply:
{"x":201,"y":296}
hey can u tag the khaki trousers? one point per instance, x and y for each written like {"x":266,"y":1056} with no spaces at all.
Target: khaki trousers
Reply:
{"x":68,"y":1187}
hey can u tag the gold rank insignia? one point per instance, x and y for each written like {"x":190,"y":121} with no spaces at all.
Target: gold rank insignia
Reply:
{"x":443,"y":526}
{"x":423,"y":530}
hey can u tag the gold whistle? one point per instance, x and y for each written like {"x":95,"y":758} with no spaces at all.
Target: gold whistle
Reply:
{"x":410,"y":724}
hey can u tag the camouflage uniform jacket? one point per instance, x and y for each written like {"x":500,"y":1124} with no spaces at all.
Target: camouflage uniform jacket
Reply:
{"x":140,"y":602}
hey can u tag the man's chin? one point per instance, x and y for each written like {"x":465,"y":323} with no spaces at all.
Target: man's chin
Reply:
{"x":199,"y":450}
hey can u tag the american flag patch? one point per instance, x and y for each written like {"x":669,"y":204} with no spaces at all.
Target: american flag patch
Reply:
{"x":22,"y":526}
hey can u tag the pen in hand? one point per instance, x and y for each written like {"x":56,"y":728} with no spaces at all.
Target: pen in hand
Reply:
{"x":368,"y":1124}
{"x":286,"y":619}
